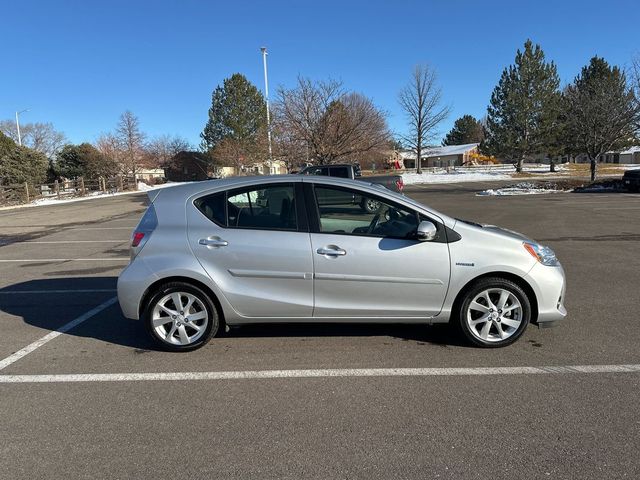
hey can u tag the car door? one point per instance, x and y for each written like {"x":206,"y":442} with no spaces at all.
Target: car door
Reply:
{"x":254,"y":244}
{"x":369,"y":264}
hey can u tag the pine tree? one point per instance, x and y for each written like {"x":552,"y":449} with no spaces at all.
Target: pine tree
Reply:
{"x":465,"y":130}
{"x":602,"y":111}
{"x":524,"y":108}
{"x":237,"y":114}
{"x":83,"y":160}
{"x":20,"y":164}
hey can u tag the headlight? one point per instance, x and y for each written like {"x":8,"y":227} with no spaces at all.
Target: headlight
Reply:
{"x":543,"y":254}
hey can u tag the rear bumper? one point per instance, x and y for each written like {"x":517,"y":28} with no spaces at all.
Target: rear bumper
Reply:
{"x":132,"y":285}
{"x":631,"y":182}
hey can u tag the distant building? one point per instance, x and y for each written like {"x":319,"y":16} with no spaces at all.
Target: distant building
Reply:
{"x":146,"y":174}
{"x":269,"y":167}
{"x":630,"y":155}
{"x":448,"y":156}
{"x":188,"y":166}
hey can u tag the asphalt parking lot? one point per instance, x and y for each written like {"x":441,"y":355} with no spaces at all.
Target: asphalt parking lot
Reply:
{"x":60,"y":263}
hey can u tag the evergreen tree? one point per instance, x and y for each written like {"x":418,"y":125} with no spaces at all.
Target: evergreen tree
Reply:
{"x":20,"y":164}
{"x":524,"y":108}
{"x":602,"y":111}
{"x":465,"y":130}
{"x":69,"y":163}
{"x":237,"y":114}
{"x":83,"y":160}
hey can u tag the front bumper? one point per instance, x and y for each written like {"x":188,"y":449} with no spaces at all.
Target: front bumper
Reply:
{"x":549,"y":285}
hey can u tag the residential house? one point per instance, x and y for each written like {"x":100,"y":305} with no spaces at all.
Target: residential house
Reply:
{"x":188,"y":166}
{"x":150,"y":175}
{"x":629,"y":156}
{"x":269,"y":167}
{"x":447,"y":156}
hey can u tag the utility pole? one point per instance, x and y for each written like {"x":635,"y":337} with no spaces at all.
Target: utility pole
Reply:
{"x":266,"y":97}
{"x":18,"y":125}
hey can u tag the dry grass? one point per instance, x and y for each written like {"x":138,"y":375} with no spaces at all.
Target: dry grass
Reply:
{"x":580,"y":169}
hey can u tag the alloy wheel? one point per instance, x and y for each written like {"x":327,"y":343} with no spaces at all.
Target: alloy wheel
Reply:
{"x":494,"y":315}
{"x":179,"y":318}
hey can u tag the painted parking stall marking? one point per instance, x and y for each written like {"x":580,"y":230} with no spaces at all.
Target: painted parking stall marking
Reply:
{"x":50,"y":336}
{"x":113,"y":259}
{"x":322,"y":373}
{"x":47,"y":292}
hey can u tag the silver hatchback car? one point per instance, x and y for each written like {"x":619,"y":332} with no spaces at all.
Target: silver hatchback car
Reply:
{"x":293,"y":248}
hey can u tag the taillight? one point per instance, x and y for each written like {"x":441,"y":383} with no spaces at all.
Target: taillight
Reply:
{"x":137,"y":238}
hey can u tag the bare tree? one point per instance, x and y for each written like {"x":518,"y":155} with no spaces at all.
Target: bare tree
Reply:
{"x":329,"y":122}
{"x":420,"y":99}
{"x":162,"y":149}
{"x":131,"y":142}
{"x":634,"y":78}
{"x":109,"y":146}
{"x":42,"y":137}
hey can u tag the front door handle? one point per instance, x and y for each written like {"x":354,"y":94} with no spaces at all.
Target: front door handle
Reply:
{"x":334,"y":251}
{"x":213,"y":242}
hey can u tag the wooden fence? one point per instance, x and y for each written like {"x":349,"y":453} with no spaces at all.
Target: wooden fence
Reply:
{"x":27,"y":193}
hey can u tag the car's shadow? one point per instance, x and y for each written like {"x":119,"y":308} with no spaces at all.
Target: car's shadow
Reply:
{"x":81,"y":294}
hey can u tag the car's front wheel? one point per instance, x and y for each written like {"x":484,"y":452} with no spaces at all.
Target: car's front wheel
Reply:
{"x":180,"y":317}
{"x":494,"y":312}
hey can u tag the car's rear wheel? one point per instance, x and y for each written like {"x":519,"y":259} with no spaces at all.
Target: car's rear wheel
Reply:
{"x":180,"y":317}
{"x":494,"y":312}
{"x":369,"y":205}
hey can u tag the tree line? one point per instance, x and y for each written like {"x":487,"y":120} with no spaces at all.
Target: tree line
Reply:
{"x":46,"y":155}
{"x":530,"y":115}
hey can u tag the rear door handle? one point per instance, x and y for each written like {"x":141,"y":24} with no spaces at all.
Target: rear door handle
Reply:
{"x":336,"y":251}
{"x":213,"y":242}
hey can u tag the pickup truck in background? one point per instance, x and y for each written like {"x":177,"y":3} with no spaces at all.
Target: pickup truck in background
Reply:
{"x":345,"y":170}
{"x":631,"y":180}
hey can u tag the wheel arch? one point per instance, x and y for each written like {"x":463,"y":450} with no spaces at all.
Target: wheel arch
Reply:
{"x":518,"y":280}
{"x":151,"y":289}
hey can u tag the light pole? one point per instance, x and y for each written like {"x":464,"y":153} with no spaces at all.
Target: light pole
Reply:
{"x":266,"y":97}
{"x":18,"y":125}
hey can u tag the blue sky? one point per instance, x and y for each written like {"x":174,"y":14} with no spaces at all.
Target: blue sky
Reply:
{"x":79,"y":64}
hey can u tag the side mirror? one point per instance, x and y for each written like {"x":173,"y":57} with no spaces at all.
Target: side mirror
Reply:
{"x":426,"y":231}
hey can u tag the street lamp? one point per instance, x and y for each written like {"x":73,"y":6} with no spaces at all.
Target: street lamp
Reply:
{"x":266,"y":97}
{"x":18,"y":124}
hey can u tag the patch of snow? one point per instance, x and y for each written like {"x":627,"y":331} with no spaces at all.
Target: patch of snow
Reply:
{"x":452,"y":177}
{"x":599,"y":188}
{"x":517,"y":191}
{"x":524,"y":188}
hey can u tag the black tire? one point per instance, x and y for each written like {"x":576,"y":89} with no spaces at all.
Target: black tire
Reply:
{"x":213,"y":325}
{"x":369,"y":205}
{"x":477,"y":288}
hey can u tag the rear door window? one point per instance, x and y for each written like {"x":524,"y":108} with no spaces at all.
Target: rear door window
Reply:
{"x":213,"y":207}
{"x":264,"y":207}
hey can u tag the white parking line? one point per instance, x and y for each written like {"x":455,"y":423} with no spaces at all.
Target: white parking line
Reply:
{"x":325,"y":373}
{"x":67,"y":241}
{"x":50,"y":336}
{"x":114,"y":259}
{"x":101,"y":228}
{"x":37,"y":292}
